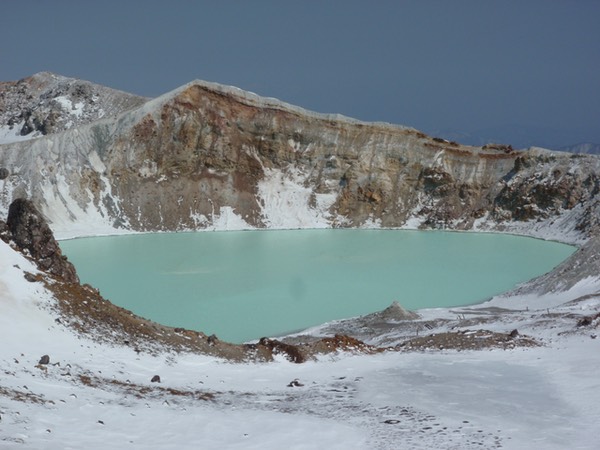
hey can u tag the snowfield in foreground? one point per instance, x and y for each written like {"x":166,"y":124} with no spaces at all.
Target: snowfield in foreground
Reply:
{"x":98,"y":396}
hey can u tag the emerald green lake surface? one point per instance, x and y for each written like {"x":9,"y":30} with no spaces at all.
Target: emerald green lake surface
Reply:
{"x":248,"y":284}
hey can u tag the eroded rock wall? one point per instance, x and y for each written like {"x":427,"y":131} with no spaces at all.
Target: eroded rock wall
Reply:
{"x":208,"y":156}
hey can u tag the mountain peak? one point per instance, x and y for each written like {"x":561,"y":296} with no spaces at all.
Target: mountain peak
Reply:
{"x":48,"y":103}
{"x":255,"y":100}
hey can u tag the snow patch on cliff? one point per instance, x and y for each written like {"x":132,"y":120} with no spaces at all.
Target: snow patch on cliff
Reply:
{"x":287,"y":202}
{"x":75,"y":109}
{"x":560,"y":228}
{"x":69,"y":219}
{"x":229,"y":220}
{"x":10,"y":134}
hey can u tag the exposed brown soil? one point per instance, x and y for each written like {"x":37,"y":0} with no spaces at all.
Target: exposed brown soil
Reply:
{"x":22,"y":396}
{"x":467,"y":340}
{"x":84,"y":310}
{"x":141,"y":391}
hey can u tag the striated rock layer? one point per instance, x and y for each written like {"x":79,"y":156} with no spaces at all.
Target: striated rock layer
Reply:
{"x":207,"y":156}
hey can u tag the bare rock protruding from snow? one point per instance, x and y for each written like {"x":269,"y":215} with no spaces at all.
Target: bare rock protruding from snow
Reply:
{"x":30,"y":231}
{"x":46,"y":103}
{"x":369,"y":327}
{"x":396,"y":312}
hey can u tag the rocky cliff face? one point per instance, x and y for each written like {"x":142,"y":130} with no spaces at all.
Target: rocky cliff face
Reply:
{"x":209,"y":156}
{"x":274,"y":166}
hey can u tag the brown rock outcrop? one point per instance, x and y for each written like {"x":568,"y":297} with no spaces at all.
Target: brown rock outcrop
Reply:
{"x":31,"y":233}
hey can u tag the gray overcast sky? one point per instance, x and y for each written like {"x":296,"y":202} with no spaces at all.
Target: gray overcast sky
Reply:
{"x":520,"y":72}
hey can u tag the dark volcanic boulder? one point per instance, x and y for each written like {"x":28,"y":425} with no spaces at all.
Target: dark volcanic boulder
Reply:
{"x":30,"y":231}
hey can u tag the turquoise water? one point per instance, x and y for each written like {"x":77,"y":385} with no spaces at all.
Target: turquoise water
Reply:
{"x":248,"y":284}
